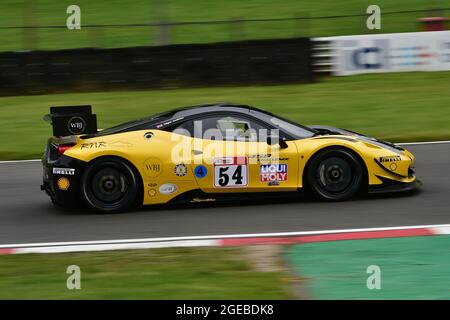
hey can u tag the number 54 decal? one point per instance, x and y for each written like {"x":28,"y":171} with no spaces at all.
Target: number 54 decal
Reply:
{"x":230,"y":172}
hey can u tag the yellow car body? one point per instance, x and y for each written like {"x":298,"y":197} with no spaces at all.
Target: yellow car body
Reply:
{"x":173,"y":166}
{"x":133,"y":147}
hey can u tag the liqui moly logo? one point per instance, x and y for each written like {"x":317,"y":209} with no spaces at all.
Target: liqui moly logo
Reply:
{"x":273,"y":172}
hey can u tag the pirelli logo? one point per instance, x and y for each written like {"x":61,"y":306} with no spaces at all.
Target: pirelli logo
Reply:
{"x":390,"y":159}
{"x":64,"y":171}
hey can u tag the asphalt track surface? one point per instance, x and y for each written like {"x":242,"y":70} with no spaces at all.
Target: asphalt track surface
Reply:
{"x":27,"y":216}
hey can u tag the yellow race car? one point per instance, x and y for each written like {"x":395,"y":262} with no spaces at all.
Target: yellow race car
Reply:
{"x":209,"y":153}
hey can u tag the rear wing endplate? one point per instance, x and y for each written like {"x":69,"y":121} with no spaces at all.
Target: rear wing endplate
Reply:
{"x":72,"y":120}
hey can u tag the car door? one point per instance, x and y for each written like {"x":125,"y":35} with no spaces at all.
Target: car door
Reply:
{"x":231,"y":153}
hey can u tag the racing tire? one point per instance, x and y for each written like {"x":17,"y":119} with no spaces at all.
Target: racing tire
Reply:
{"x":110,"y":185}
{"x":334,"y":175}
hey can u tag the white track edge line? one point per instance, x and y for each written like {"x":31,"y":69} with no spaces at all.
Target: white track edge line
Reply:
{"x":216,"y":237}
{"x":18,"y":161}
{"x":421,"y":143}
{"x":441,"y":230}
{"x":119,"y":246}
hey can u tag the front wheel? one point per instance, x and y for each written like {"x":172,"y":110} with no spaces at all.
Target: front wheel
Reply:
{"x":109,"y":185}
{"x":334,"y":175}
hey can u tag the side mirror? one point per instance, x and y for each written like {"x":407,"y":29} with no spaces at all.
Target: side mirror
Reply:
{"x":273,"y":140}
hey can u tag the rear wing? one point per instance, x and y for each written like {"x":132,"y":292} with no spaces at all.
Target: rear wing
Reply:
{"x":72,"y":120}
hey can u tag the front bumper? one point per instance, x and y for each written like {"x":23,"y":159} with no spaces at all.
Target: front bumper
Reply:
{"x":388,"y":186}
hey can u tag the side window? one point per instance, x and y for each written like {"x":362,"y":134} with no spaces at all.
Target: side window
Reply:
{"x":224,"y":127}
{"x":186,"y":129}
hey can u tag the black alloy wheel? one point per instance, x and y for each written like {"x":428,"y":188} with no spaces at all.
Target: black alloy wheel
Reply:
{"x":334,"y":175}
{"x":110,"y":185}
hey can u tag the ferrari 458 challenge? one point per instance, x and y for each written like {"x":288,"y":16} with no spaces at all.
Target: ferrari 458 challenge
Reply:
{"x":210,"y":153}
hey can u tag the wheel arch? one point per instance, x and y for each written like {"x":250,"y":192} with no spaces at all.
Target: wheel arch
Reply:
{"x":132,"y":166}
{"x":339,"y":147}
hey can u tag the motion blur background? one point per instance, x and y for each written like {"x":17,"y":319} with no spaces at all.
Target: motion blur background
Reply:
{"x":225,"y":50}
{"x":40,"y":24}
{"x":137,"y":57}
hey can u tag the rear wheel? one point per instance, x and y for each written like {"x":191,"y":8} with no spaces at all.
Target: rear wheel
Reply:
{"x":334,"y":175}
{"x":110,"y":185}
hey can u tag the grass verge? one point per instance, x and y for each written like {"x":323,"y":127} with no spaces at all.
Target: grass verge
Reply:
{"x":184,"y":273}
{"x":410,"y":268}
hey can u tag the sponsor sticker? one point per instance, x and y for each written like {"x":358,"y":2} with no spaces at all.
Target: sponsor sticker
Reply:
{"x":268,"y":158}
{"x":151,"y":192}
{"x":224,"y":161}
{"x":93,"y":145}
{"x":64,"y":171}
{"x":230,"y":172}
{"x":390,"y":159}
{"x":200,"y":171}
{"x":63,"y":183}
{"x":180,"y":170}
{"x":168,"y":188}
{"x":273,"y":172}
{"x":152,"y":167}
{"x":166,"y":123}
{"x":203,"y":200}
{"x":76,"y":125}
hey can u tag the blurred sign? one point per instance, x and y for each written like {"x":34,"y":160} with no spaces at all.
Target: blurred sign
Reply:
{"x":396,"y":52}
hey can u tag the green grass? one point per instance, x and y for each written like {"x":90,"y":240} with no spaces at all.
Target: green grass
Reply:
{"x":188,"y":273}
{"x":396,"y":107}
{"x":53,"y":12}
{"x":411,"y":268}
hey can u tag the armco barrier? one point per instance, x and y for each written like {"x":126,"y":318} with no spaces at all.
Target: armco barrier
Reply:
{"x":227,"y":63}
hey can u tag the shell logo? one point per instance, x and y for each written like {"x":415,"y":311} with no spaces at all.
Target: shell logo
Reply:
{"x":63,"y":183}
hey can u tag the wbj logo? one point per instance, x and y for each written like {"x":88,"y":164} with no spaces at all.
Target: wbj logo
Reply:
{"x":76,"y":125}
{"x":153,"y":167}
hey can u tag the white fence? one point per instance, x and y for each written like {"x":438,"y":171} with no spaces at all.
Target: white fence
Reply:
{"x":394,"y":52}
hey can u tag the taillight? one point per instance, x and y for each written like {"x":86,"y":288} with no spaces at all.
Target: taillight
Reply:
{"x":63,"y":148}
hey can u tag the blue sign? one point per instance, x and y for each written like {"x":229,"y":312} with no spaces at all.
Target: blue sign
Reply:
{"x":200,"y":171}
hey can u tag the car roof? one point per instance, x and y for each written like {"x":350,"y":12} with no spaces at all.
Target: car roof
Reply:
{"x":206,"y":108}
{"x":167,"y":118}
